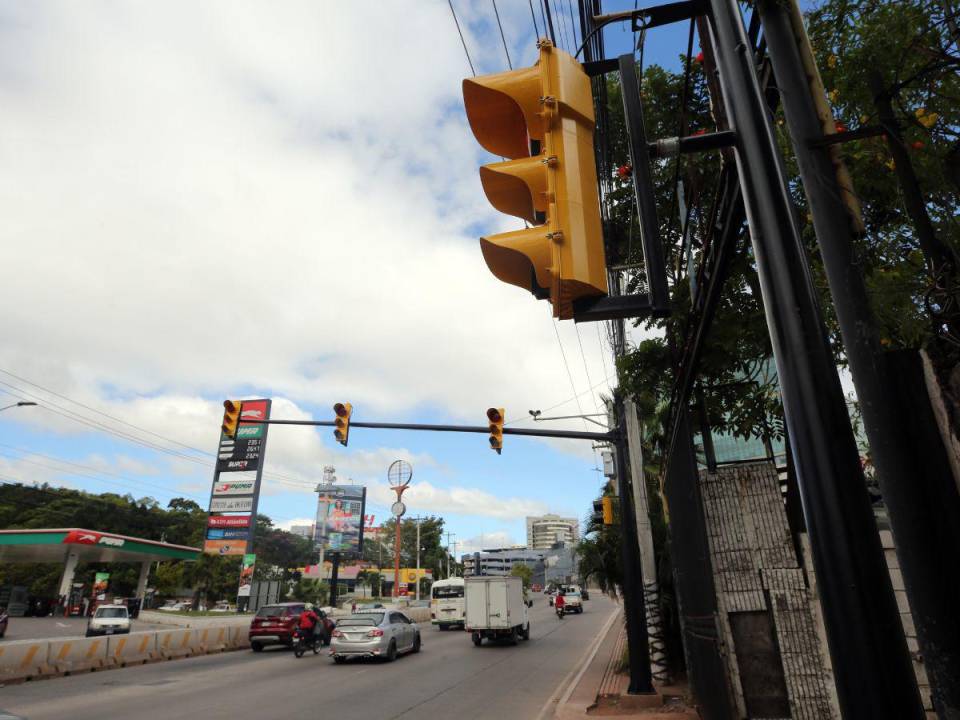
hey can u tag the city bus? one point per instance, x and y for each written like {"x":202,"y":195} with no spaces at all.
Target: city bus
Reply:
{"x":447,"y":606}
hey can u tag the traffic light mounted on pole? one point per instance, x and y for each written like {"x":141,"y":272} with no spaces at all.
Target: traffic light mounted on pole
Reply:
{"x":495,"y":416}
{"x":542,"y":119}
{"x":231,"y":417}
{"x":341,"y":424}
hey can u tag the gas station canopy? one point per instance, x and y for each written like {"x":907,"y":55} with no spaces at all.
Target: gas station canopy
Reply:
{"x":53,"y":546}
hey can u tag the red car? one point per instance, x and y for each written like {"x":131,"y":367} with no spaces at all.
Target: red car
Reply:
{"x":275,"y":624}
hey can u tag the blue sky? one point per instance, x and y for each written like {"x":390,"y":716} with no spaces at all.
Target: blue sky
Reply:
{"x":231,"y":201}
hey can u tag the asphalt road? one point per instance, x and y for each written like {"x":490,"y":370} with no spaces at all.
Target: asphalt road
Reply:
{"x":448,"y":678}
{"x":33,"y":628}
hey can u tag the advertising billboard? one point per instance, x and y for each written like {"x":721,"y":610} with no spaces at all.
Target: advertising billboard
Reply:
{"x":240,"y":504}
{"x":228,"y":521}
{"x":225,"y":547}
{"x":340,"y":514}
{"x":236,"y":485}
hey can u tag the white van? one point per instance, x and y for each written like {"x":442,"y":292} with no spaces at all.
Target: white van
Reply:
{"x":447,"y":605}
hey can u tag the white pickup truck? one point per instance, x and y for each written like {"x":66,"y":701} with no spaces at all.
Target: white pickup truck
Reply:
{"x":496,"y":609}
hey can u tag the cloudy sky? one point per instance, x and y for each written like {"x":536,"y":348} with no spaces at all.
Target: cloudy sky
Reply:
{"x":239,"y":199}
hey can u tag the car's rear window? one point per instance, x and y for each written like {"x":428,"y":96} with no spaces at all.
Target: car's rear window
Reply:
{"x":111,"y":612}
{"x":367,"y":619}
{"x":278,"y":611}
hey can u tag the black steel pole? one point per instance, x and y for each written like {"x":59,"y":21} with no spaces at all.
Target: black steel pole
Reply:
{"x":334,"y":578}
{"x":913,"y":504}
{"x":872,"y":669}
{"x":633,"y":603}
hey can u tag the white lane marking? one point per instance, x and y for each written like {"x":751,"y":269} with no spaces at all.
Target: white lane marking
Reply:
{"x":573,"y":677}
{"x":60,"y":624}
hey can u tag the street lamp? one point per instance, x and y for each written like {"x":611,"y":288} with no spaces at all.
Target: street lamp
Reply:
{"x":22,"y":403}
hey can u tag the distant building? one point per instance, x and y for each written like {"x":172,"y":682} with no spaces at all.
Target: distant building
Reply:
{"x":501,"y":561}
{"x":302,"y":530}
{"x":545,"y":531}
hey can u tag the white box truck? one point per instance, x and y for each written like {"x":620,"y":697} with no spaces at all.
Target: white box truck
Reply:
{"x":496,"y":609}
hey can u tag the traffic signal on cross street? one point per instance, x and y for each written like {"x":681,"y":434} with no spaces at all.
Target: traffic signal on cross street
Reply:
{"x":495,"y":416}
{"x":341,"y":423}
{"x":231,"y":417}
{"x":542,"y":119}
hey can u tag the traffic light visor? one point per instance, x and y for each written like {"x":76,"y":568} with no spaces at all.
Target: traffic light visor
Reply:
{"x":342,"y":410}
{"x":231,"y":406}
{"x":517,"y":187}
{"x":524,"y":258}
{"x":504,"y":110}
{"x":494,"y":415}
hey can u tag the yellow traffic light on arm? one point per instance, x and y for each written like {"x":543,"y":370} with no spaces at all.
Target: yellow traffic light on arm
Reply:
{"x":231,"y":417}
{"x":495,"y":416}
{"x":542,"y":119}
{"x":607,"y":510}
{"x":341,"y":424}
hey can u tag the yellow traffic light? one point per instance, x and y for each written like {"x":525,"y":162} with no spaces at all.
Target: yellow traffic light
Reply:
{"x":341,"y":424}
{"x":542,"y":119}
{"x":495,"y":416}
{"x":607,"y":510}
{"x":231,"y":417}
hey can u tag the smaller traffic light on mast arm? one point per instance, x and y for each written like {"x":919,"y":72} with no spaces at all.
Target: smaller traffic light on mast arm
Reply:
{"x":341,"y":423}
{"x":231,"y":417}
{"x":495,"y":416}
{"x":607,"y":503}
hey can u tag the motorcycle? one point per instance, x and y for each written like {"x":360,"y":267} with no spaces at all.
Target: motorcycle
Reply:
{"x":561,"y":611}
{"x":301,"y":643}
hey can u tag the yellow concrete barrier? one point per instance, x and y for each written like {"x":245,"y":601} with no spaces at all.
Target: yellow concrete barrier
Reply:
{"x":239,"y":637}
{"x":212,"y":639}
{"x":69,"y":655}
{"x":175,"y":643}
{"x":132,"y":649}
{"x":23,"y":659}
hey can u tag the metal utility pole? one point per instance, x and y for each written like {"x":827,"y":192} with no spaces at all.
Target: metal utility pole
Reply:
{"x":449,"y":535}
{"x":633,"y":605}
{"x":919,"y":512}
{"x":418,"y":560}
{"x":873,"y":672}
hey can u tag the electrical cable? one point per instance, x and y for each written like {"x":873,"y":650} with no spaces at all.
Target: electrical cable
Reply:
{"x":536,"y":28}
{"x":502,"y":36}
{"x":460,"y":32}
{"x":563,"y":29}
{"x":553,"y":35}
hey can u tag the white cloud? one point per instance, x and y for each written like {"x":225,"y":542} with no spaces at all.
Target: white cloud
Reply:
{"x":486,"y":541}
{"x":426,"y":497}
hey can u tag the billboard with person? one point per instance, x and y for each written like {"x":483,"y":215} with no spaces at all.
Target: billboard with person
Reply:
{"x":339,"y":526}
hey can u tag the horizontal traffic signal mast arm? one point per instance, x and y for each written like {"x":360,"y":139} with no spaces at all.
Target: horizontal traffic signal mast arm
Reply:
{"x":484,"y":429}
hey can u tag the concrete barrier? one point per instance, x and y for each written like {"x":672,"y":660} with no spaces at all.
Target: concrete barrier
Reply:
{"x":175,"y":643}
{"x":70,"y":655}
{"x":239,"y":638}
{"x":132,"y":649}
{"x":211,"y":640}
{"x":23,"y":659}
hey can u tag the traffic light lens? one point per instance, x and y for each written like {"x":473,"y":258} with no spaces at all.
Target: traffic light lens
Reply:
{"x":494,"y":416}
{"x":230,"y":406}
{"x":340,"y":410}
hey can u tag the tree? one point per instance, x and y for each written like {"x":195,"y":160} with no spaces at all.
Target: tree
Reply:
{"x":523,"y":571}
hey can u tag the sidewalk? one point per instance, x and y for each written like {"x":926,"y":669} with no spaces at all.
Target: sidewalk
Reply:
{"x":600,"y":691}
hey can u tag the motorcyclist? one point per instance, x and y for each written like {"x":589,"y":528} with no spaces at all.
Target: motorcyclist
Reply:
{"x":559,"y":603}
{"x":309,"y":621}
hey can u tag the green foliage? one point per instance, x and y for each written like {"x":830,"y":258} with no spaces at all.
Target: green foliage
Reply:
{"x":523,"y":571}
{"x":433,"y":554}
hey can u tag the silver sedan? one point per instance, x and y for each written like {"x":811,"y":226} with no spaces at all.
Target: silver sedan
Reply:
{"x":384,"y":634}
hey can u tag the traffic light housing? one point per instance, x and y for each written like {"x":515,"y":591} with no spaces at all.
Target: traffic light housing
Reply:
{"x":495,"y":417}
{"x":341,"y":423}
{"x":542,"y":119}
{"x":607,"y":509}
{"x":231,"y":417}
{"x":603,"y":510}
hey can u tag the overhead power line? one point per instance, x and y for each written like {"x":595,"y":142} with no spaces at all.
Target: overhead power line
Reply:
{"x":502,"y":36}
{"x":460,"y":32}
